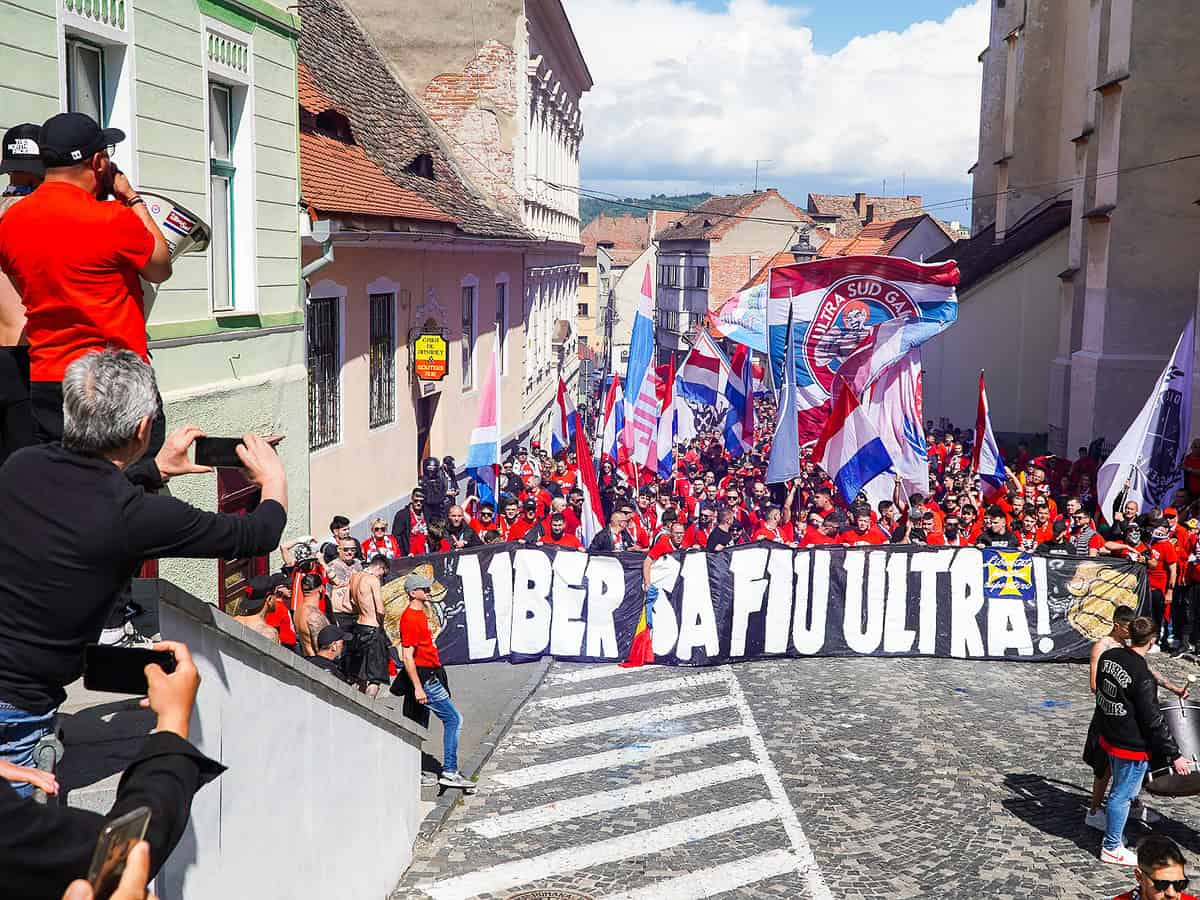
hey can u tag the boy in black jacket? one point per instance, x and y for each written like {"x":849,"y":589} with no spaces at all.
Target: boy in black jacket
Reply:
{"x":1131,"y":728}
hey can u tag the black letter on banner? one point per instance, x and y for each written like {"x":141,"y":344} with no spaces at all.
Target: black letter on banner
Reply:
{"x":812,"y":603}
{"x":747,"y":565}
{"x":896,"y":637}
{"x":697,"y":621}
{"x":966,"y":600}
{"x":479,"y":645}
{"x":531,"y":602}
{"x":566,"y":625}
{"x":605,"y":591}
{"x":500,"y":571}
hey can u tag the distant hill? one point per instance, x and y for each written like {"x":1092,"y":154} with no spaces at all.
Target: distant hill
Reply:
{"x":590,"y":207}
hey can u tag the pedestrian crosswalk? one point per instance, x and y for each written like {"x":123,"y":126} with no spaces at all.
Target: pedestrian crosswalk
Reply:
{"x":675,"y":798}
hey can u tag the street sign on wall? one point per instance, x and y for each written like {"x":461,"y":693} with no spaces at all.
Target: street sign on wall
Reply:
{"x":431,"y":356}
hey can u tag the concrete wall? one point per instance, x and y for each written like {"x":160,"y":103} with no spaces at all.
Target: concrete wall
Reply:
{"x":227,"y":371}
{"x":371,"y":470}
{"x":313,"y":769}
{"x":922,"y":242}
{"x":588,"y":326}
{"x":1007,"y":324}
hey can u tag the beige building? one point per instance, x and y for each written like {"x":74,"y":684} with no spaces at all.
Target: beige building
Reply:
{"x":1087,"y":102}
{"x":706,"y":256}
{"x":501,"y":82}
{"x":398,"y":243}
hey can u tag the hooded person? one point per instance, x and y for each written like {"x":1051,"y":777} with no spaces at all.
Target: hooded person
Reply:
{"x":433,"y":483}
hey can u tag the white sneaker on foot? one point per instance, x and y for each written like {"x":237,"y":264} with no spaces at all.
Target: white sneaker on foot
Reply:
{"x":1097,"y":819}
{"x":455,"y":780}
{"x":1122,"y":856}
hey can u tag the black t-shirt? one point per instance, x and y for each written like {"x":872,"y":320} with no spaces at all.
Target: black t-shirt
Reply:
{"x":76,"y":530}
{"x":718,"y":537}
{"x":1055,"y":548}
{"x":991,"y":539}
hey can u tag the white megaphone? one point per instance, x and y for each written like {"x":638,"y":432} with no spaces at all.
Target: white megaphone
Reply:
{"x":184,"y":231}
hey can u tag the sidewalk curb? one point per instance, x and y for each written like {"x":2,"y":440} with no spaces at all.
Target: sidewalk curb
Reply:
{"x":436,"y":817}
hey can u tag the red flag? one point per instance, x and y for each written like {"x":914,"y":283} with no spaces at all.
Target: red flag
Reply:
{"x":592,"y":517}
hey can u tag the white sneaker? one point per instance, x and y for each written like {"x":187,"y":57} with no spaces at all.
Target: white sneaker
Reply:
{"x":1097,"y":819}
{"x":455,"y":780}
{"x":1122,"y":856}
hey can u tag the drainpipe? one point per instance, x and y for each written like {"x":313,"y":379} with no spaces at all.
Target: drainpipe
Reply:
{"x":319,"y":231}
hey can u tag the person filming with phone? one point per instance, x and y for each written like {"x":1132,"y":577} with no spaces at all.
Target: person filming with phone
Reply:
{"x":48,"y":849}
{"x":78,"y":530}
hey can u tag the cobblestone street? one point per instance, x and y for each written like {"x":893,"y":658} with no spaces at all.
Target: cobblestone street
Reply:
{"x":856,"y":778}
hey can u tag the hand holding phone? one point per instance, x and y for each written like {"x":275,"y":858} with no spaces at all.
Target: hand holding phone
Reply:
{"x":122,"y":670}
{"x":115,"y":866}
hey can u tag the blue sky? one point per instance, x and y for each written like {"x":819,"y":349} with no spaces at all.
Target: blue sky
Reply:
{"x":835,"y":23}
{"x":839,"y":96}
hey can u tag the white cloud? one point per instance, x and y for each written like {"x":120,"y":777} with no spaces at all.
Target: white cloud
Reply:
{"x":682,"y":93}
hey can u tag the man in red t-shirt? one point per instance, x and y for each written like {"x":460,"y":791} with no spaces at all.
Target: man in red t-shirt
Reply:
{"x":1162,"y":572}
{"x":528,"y":521}
{"x":559,"y":536}
{"x":76,"y":260}
{"x":668,"y":542}
{"x":424,"y":678}
{"x":825,"y":532}
{"x":863,"y":533}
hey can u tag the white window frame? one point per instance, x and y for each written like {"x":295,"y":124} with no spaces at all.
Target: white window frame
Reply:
{"x":120,"y":75}
{"x":326,"y":289}
{"x":244,"y":252}
{"x":470,"y":282}
{"x":502,"y":322}
{"x":385,"y":285}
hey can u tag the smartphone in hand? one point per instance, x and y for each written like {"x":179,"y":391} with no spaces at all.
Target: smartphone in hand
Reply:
{"x":121,"y":670}
{"x":116,"y":841}
{"x":218,"y":452}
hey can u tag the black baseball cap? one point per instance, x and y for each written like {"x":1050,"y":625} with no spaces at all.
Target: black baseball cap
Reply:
{"x":330,"y":635}
{"x":22,"y":150}
{"x":70,"y":138}
{"x":262,"y":586}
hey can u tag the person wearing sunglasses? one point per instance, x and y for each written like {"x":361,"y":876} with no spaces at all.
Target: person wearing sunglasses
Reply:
{"x":381,"y":542}
{"x":1160,"y":873}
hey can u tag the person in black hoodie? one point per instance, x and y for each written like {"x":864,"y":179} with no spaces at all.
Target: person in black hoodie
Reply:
{"x":1131,"y":729}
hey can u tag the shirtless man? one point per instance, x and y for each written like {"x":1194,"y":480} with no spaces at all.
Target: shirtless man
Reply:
{"x":22,"y":163}
{"x":308,"y":614}
{"x":252,"y":612}
{"x":367,"y":653}
{"x":341,"y":570}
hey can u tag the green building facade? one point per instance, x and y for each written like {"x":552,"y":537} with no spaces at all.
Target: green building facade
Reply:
{"x":206,"y":94}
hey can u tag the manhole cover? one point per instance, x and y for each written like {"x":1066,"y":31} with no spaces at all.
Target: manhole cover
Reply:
{"x":550,"y":894}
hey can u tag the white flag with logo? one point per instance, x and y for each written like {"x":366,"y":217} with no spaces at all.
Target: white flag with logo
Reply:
{"x":1150,"y":455}
{"x":893,"y":403}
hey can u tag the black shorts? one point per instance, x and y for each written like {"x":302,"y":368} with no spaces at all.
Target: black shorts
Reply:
{"x":1093,"y":754}
{"x":367,"y":654}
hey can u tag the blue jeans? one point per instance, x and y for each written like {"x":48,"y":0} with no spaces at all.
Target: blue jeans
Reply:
{"x":1127,"y":775}
{"x":19,"y":733}
{"x":440,"y":704}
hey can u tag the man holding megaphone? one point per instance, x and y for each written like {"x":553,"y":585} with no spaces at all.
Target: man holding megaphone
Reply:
{"x":76,"y":262}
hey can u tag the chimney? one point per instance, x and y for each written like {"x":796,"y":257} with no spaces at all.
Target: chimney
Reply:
{"x":860,"y":205}
{"x":914,"y":199}
{"x":870,"y":216}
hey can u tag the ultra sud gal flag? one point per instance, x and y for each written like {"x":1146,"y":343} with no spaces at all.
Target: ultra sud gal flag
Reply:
{"x":1150,"y":455}
{"x":838,"y":304}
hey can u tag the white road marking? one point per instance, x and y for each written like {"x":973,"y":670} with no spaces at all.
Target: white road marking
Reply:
{"x":583,"y":698}
{"x":505,"y":876}
{"x":806,"y":863}
{"x":715,"y":880}
{"x":611,"y":759}
{"x":560,"y":733}
{"x":592,"y":673}
{"x":607,"y":801}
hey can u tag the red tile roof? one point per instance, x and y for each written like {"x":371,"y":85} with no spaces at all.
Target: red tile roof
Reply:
{"x":625,"y":237}
{"x":337,"y":176}
{"x":713,"y":218}
{"x":876,"y":239}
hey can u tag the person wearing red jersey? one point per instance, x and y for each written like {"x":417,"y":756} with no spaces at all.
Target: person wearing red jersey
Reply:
{"x":486,"y":518}
{"x":558,"y":535}
{"x":1162,"y":570}
{"x":863,"y":533}
{"x":697,"y":534}
{"x":380,"y":543}
{"x":1026,"y":531}
{"x":1159,"y":873}
{"x":534,"y":491}
{"x":78,"y":261}
{"x":526,"y":523}
{"x":1191,"y":470}
{"x":1043,"y":519}
{"x":424,"y":678}
{"x":825,"y":530}
{"x":636,"y":537}
{"x":562,"y":476}
{"x":646,"y":513}
{"x":668,"y":542}
{"x":524,"y":466}
{"x":1177,"y":532}
{"x":510,"y":515}
{"x":773,"y":528}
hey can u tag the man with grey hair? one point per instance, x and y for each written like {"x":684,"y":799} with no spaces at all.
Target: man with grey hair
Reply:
{"x":78,"y":530}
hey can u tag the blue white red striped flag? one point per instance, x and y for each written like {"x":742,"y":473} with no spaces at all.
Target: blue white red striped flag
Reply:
{"x":986,"y":456}
{"x":704,"y":372}
{"x":849,"y":447}
{"x":483,"y":452}
{"x":641,"y":422}
{"x":562,"y":429}
{"x":739,"y":391}
{"x":614,"y":422}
